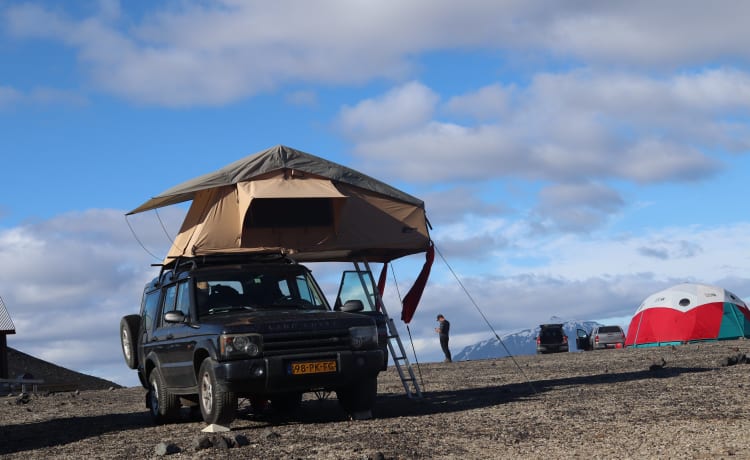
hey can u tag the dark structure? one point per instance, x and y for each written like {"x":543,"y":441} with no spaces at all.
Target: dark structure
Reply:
{"x":6,"y":327}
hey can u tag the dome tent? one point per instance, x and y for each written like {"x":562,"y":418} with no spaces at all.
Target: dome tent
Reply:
{"x":688,"y":312}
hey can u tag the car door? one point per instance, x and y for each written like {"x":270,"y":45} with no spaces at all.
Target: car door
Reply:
{"x":583,"y":340}
{"x":149,"y":319}
{"x":359,"y":285}
{"x":173,"y":342}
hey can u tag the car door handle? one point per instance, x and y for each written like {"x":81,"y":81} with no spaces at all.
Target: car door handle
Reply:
{"x":170,"y":336}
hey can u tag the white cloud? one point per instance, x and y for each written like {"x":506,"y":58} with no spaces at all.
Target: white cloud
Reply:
{"x":489,"y":102}
{"x":67,"y":282}
{"x":401,"y":109}
{"x":582,"y":125}
{"x":302,"y":98}
{"x":9,"y":96}
{"x":576,"y":207}
{"x":216,"y":53}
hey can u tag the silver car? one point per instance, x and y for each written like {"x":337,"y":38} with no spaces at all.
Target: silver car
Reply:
{"x":607,"y":337}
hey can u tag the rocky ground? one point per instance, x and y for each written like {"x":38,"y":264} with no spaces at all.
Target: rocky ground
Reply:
{"x":683,"y":402}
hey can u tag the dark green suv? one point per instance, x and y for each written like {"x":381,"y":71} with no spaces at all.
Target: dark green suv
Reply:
{"x":210,"y":332}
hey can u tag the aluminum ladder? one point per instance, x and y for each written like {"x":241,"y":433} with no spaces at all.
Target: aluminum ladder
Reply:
{"x":395,"y":346}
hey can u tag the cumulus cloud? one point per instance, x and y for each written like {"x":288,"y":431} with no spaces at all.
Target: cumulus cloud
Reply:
{"x":665,"y":250}
{"x":576,"y":207}
{"x":453,"y":204}
{"x":486,"y":103}
{"x":68,"y":280}
{"x":400,"y":110}
{"x":568,"y":127}
{"x":215,"y":53}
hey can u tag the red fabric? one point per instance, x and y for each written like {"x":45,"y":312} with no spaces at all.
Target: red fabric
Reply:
{"x":411,"y":299}
{"x":381,"y":279}
{"x":670,"y":325}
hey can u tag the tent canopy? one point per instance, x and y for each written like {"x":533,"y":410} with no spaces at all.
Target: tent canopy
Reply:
{"x":285,"y":200}
{"x":688,"y":312}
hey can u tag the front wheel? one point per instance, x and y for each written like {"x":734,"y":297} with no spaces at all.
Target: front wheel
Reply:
{"x":217,"y":405}
{"x":358,"y":397}
{"x":164,"y":406}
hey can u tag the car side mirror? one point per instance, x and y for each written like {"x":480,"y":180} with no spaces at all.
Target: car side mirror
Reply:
{"x":352,"y":306}
{"x":174,"y":316}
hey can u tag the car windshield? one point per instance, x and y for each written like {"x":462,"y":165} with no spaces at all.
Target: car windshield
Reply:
{"x":551,"y":333}
{"x":243,"y":290}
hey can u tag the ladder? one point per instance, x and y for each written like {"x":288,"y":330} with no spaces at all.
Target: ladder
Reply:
{"x":395,"y":346}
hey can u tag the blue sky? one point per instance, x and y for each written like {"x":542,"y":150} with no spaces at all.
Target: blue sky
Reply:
{"x":574,"y":158}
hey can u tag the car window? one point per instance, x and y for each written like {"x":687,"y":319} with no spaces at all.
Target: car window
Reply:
{"x":608,"y":329}
{"x":170,"y":296}
{"x":150,"y":307}
{"x":183,"y":298}
{"x":551,"y":332}
{"x":270,"y":289}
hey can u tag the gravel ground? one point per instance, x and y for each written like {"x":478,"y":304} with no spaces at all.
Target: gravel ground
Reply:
{"x":671,"y":402}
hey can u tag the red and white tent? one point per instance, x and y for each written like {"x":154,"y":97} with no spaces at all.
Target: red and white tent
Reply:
{"x":688,"y":312}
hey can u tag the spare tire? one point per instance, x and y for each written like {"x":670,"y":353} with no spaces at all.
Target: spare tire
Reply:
{"x":129,"y":327}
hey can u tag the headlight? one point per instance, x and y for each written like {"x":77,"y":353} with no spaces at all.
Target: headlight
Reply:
{"x":363,"y":336}
{"x":240,"y":345}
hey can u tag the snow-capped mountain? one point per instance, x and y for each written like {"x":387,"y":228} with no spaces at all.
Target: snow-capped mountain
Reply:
{"x":520,"y":343}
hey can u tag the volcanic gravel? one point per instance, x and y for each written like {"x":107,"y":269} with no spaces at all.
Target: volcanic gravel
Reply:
{"x":687,"y":401}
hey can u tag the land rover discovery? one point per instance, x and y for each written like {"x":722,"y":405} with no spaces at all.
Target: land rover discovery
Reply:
{"x":211,"y":331}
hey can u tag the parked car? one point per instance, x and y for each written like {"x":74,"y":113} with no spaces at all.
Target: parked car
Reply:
{"x":600,"y":337}
{"x":212,"y":330}
{"x":551,"y":339}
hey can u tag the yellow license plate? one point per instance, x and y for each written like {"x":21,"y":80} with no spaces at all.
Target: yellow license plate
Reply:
{"x":313,"y":367}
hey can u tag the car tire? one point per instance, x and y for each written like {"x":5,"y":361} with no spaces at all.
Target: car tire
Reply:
{"x":164,"y":406}
{"x":129,"y":327}
{"x":358,"y":397}
{"x":217,"y":405}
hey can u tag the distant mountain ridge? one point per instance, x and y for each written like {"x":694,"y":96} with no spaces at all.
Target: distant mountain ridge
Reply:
{"x":521,"y":342}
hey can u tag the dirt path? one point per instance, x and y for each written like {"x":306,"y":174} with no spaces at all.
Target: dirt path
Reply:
{"x":605,"y":404}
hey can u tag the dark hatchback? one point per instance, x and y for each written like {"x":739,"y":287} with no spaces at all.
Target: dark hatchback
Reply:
{"x":551,"y":339}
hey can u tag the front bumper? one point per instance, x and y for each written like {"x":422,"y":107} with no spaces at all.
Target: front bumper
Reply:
{"x":273,"y":374}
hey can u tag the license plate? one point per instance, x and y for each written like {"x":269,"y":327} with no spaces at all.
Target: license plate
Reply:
{"x":312,"y":367}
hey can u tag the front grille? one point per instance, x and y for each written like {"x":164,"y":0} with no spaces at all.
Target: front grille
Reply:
{"x":305,"y":342}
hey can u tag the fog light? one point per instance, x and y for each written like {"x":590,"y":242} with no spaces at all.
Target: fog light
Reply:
{"x":258,"y":371}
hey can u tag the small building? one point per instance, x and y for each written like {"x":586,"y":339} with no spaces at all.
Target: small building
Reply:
{"x":6,"y":327}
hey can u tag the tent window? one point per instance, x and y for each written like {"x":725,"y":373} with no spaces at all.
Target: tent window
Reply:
{"x":290,"y":212}
{"x":684,"y":302}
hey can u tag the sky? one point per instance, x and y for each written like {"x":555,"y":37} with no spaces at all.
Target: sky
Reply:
{"x":573,"y":157}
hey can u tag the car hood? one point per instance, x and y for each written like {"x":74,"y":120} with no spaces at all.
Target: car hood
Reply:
{"x":281,"y":321}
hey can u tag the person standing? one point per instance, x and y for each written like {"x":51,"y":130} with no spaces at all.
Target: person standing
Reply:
{"x":443,"y":330}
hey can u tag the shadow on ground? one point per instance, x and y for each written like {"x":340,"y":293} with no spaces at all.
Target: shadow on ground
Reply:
{"x":476,"y":398}
{"x":49,"y":433}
